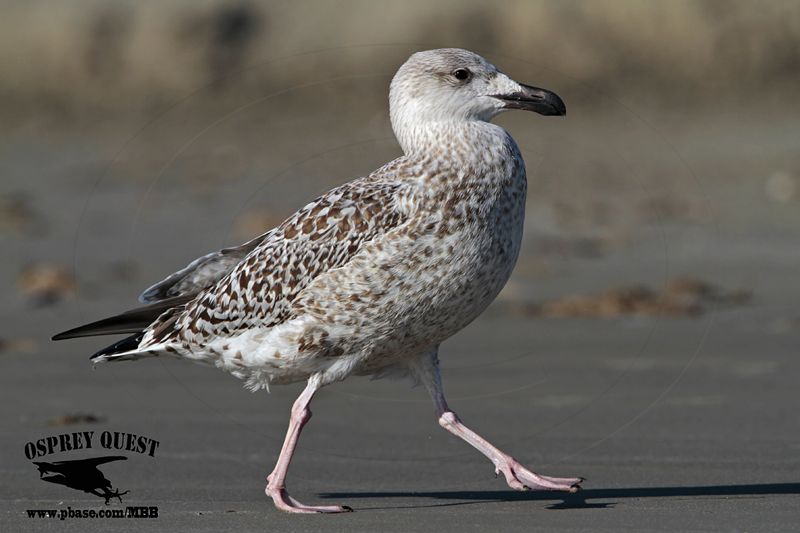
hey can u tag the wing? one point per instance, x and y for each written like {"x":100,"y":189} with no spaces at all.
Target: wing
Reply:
{"x":259,"y":290}
{"x":170,"y":293}
{"x":96,"y":461}
{"x":201,"y":273}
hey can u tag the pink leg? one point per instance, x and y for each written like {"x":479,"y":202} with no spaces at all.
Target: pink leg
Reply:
{"x":517,"y":476}
{"x":276,"y":487}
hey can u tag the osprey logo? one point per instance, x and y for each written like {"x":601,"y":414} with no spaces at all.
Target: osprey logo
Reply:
{"x":82,"y":474}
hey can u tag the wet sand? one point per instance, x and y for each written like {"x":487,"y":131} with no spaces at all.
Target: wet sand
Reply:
{"x":677,"y":424}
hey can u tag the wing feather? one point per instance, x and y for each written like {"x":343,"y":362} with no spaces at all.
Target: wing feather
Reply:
{"x":259,"y":289}
{"x":201,"y":273}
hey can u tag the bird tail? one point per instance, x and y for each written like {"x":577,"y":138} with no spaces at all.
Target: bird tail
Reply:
{"x":124,"y":350}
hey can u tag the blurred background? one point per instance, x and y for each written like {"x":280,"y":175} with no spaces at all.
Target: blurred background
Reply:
{"x":660,"y":258}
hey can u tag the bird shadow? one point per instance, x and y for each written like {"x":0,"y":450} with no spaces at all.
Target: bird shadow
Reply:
{"x":584,"y":499}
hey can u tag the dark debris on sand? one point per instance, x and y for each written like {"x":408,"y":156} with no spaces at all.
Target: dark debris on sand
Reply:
{"x":680,"y":297}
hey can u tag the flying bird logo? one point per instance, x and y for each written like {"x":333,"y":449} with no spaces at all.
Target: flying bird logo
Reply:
{"x":82,"y":474}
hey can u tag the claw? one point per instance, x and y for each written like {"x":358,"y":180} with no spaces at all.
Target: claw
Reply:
{"x":520,"y":478}
{"x":286,"y":503}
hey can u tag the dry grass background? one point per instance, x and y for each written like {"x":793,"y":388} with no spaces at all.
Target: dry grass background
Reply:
{"x":63,"y":57}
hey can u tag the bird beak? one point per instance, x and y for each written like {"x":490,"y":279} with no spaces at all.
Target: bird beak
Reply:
{"x":535,"y":99}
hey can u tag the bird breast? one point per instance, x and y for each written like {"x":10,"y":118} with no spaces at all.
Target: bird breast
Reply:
{"x":466,"y":240}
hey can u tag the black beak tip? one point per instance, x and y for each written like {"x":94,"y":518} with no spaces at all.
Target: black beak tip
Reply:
{"x":556,"y":105}
{"x":534,"y":99}
{"x":557,"y":111}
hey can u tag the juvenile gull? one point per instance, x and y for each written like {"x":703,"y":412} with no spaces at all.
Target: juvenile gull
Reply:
{"x":371,"y":277}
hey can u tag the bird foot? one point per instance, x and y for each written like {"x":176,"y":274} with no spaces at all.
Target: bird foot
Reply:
{"x":520,"y":478}
{"x":286,"y":503}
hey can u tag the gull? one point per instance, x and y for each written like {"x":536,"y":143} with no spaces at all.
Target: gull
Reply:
{"x":371,"y":277}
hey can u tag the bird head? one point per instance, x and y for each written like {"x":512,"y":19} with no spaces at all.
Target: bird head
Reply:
{"x":451,"y":84}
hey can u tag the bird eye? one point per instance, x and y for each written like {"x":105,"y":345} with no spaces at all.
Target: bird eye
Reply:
{"x":462,"y":74}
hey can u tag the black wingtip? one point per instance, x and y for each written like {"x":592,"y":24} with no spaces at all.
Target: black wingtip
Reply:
{"x":132,"y":321}
{"x":69,"y":334}
{"x":89,"y":330}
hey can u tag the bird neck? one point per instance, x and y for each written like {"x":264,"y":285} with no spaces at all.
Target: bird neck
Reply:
{"x":462,"y":139}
